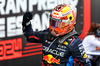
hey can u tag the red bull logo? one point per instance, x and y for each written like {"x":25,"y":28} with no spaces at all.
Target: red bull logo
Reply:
{"x":50,"y":59}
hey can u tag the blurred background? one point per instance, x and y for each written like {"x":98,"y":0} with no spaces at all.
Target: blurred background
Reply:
{"x":14,"y":49}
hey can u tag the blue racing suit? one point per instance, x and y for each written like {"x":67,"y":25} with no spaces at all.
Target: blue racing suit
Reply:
{"x":55,"y":53}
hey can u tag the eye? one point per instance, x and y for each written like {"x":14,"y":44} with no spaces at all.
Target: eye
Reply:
{"x":70,"y":17}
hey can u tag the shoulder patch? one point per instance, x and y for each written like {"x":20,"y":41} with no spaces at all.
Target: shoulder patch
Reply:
{"x":65,"y":43}
{"x":85,"y":55}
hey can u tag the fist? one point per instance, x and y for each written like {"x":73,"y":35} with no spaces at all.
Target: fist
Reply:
{"x":26,"y":18}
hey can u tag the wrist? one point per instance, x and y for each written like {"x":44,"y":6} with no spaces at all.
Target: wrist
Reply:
{"x":28,"y":23}
{"x":24,"y":23}
{"x":26,"y":28}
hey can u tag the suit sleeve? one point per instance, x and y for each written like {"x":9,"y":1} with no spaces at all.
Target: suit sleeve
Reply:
{"x":32,"y":36}
{"x":79,"y":54}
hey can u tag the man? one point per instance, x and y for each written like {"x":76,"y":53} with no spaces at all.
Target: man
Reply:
{"x":60,"y":40}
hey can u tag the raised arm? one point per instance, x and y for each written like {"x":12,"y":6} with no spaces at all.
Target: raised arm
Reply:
{"x":31,"y":36}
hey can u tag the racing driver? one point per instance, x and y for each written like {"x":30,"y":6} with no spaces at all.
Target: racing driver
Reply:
{"x":60,"y":40}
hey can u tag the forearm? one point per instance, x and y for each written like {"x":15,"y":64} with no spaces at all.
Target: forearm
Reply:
{"x":30,"y":35}
{"x":97,"y":48}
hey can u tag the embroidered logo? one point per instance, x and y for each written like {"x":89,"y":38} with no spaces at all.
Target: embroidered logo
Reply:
{"x":50,"y":59}
{"x":65,"y":43}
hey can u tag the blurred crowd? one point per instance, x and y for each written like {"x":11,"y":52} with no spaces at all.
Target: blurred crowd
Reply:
{"x":91,"y":42}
